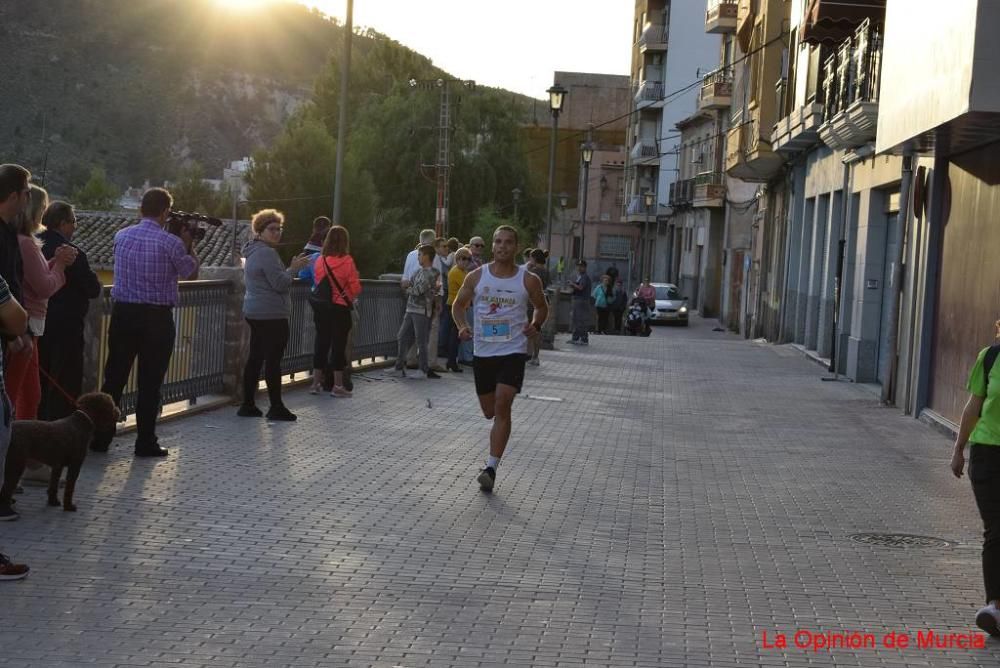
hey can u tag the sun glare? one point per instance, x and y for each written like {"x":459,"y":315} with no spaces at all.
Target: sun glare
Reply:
{"x":244,"y":5}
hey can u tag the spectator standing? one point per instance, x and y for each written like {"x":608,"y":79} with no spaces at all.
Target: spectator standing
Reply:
{"x":14,"y":198}
{"x":647,"y":293}
{"x":619,"y":303}
{"x":476,"y":246}
{"x":267,"y":306}
{"x":410,"y":267}
{"x":444,"y":262}
{"x":455,"y":279}
{"x":11,"y":268}
{"x":582,"y":319}
{"x":42,"y":278}
{"x":336,"y":268}
{"x":602,"y":295}
{"x":149,"y":261}
{"x":419,"y":307}
{"x":536,"y":265}
{"x":60,"y":348}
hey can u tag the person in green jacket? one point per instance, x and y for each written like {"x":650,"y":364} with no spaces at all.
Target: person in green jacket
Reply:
{"x":603,"y":295}
{"x":980,"y":428}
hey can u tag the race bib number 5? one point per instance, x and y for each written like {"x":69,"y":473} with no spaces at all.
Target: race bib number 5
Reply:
{"x":496,"y":331}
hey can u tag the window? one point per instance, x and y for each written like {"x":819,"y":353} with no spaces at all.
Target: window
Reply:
{"x":614,"y":246}
{"x":667,"y":292}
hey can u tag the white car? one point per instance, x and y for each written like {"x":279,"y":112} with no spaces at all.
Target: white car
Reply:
{"x":670,"y":305}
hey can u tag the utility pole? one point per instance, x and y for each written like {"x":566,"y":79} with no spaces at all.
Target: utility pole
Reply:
{"x":442,"y":167}
{"x":345,"y":76}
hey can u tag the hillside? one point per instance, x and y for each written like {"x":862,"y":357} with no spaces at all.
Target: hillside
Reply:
{"x":144,"y":87}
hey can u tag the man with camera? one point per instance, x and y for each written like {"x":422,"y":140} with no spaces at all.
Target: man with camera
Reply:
{"x":149,"y":261}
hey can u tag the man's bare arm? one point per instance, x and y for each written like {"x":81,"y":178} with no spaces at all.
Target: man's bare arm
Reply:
{"x":537,"y":296}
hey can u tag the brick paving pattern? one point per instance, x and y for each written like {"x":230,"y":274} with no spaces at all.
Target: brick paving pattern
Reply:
{"x":686,"y":493}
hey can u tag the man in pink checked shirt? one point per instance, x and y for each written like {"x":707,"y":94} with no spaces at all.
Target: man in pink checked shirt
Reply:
{"x":149,"y":261}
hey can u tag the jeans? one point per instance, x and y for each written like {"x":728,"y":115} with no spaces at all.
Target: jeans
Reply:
{"x":60,"y":354}
{"x":582,"y":319}
{"x":146,"y":332}
{"x":416,"y":326}
{"x":6,"y":418}
{"x":984,"y":474}
{"x":268,"y":339}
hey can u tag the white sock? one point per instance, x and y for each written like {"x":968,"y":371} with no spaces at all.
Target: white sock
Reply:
{"x":493,"y":462}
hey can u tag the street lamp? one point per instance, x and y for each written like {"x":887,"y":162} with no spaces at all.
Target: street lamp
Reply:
{"x":649,"y":199}
{"x":557,"y":95}
{"x":587,"y":154}
{"x":563,"y":201}
{"x":516,"y":196}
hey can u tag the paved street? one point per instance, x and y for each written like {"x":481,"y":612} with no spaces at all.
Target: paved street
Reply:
{"x":664,"y":502}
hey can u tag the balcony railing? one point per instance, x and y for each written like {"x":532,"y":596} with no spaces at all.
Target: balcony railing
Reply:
{"x":681,"y":193}
{"x":649,"y":92}
{"x":207,"y":355}
{"x":853,"y":71}
{"x":637,"y":206}
{"x":644,"y":150}
{"x":716,"y":89}
{"x":653,"y":38}
{"x":851,"y":87}
{"x":709,"y":190}
{"x":720,"y":16}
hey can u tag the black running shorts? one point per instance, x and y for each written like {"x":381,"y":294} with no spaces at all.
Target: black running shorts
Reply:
{"x":502,"y":370}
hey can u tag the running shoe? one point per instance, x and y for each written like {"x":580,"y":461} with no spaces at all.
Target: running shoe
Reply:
{"x":486,"y":479}
{"x":988,"y":619}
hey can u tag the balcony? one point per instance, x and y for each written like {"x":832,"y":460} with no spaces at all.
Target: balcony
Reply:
{"x":653,"y":38}
{"x":649,"y":94}
{"x":720,"y":17}
{"x":709,"y":190}
{"x":644,"y":152}
{"x":851,"y":89}
{"x":637,"y":212}
{"x":681,"y":193}
{"x":716,"y":90}
{"x":798,"y":131}
{"x":748,"y":154}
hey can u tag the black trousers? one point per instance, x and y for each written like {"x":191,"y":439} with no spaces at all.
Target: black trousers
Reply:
{"x":60,"y":355}
{"x":332,"y":326}
{"x":602,"y":319}
{"x":617,"y":318}
{"x":268,"y":339}
{"x":984,"y":473}
{"x":146,"y":332}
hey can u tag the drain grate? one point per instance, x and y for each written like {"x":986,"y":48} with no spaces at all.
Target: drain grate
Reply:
{"x":899,"y":540}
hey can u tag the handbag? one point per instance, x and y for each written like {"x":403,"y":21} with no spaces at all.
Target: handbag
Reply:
{"x":321,"y":294}
{"x":355,"y":316}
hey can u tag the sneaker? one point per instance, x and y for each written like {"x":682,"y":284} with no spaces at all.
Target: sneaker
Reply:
{"x":455,"y":368}
{"x":397,"y":373}
{"x":988,"y":619}
{"x":315,"y":388}
{"x":249,"y":411}
{"x":534,"y":361}
{"x":11,"y":571}
{"x":585,"y":342}
{"x":432,"y":374}
{"x":486,"y":479}
{"x":437,"y":368}
{"x":339,"y":391}
{"x":281,"y":414}
{"x":7,"y":514}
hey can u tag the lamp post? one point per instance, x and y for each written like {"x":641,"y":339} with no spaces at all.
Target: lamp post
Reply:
{"x":557,"y":95}
{"x":515,"y":194}
{"x":643,"y":268}
{"x":345,"y":76}
{"x":563,"y":201}
{"x":587,"y":154}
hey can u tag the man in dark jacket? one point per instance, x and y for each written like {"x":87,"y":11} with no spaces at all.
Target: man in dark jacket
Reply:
{"x":60,"y":348}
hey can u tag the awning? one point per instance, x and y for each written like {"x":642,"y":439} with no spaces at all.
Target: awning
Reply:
{"x":833,"y":21}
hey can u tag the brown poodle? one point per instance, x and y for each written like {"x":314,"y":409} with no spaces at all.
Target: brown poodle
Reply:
{"x":62,"y":443}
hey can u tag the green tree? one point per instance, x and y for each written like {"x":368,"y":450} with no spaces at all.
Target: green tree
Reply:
{"x":191,"y":193}
{"x":98,"y":193}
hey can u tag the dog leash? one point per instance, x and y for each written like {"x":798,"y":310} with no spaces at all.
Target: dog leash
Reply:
{"x":52,"y":381}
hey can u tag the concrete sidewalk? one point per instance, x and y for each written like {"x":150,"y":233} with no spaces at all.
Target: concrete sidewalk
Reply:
{"x":665,"y":501}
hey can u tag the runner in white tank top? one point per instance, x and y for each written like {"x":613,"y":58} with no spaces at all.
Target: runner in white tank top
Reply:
{"x":501,"y":312}
{"x":501,"y":292}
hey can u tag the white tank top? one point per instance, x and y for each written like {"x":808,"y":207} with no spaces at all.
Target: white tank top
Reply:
{"x":501,"y":312}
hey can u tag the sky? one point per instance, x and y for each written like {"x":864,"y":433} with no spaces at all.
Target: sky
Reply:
{"x":512,"y":44}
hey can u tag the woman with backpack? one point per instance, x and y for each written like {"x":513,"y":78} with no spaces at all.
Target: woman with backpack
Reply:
{"x":336,"y":285}
{"x":603,"y":295}
{"x":980,"y":428}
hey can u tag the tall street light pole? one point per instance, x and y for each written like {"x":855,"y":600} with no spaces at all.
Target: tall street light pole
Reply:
{"x":345,"y":75}
{"x":587,"y":153}
{"x":557,"y":95}
{"x":644,"y":268}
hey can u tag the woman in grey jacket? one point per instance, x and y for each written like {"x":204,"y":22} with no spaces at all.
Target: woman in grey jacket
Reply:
{"x":266,"y":307}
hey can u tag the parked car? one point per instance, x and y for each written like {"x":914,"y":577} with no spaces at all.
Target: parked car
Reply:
{"x":670,"y":305}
